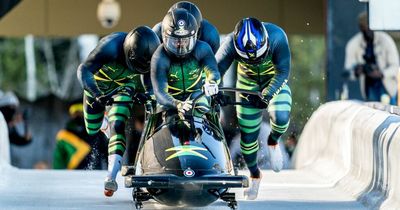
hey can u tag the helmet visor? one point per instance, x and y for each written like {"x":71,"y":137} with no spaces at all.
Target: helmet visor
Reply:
{"x":142,"y":66}
{"x":180,"y":46}
{"x":251,"y":55}
{"x":139,"y":64}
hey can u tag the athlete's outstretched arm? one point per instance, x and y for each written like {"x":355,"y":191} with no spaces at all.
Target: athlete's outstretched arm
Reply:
{"x":86,"y":72}
{"x":225,"y":55}
{"x":281,"y":60}
{"x":105,"y":51}
{"x":159,"y":68}
{"x":207,"y":61}
{"x":146,"y":81}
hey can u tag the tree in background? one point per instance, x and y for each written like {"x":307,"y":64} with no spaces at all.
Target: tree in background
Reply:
{"x":53,"y":61}
{"x":307,"y":79}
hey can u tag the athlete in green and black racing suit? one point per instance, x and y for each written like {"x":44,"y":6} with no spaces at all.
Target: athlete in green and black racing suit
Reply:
{"x":120,"y":61}
{"x":263,"y":56}
{"x":178,"y":64}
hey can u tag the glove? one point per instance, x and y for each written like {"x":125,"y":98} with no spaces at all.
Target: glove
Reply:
{"x":104,"y":100}
{"x":210,"y":89}
{"x":184,"y":106}
{"x":358,"y":70}
{"x":265,"y":100}
{"x":141,"y":98}
{"x":265,"y":97}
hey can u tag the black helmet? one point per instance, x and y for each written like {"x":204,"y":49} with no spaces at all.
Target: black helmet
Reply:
{"x":191,"y":8}
{"x":251,"y":40}
{"x":139,"y":46}
{"x":179,"y":32}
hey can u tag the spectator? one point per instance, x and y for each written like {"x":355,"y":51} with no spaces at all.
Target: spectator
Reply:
{"x":41,"y":165}
{"x":290,"y":144}
{"x":75,"y":149}
{"x":16,"y":121}
{"x":372,"y":57}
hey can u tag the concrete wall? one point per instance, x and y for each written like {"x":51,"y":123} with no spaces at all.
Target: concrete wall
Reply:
{"x":357,"y":149}
{"x":4,"y":144}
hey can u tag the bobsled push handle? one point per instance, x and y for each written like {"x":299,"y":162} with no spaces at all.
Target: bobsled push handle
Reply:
{"x":222,"y":99}
{"x":140,"y":98}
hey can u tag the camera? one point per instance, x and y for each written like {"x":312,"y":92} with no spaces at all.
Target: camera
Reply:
{"x":368,"y":67}
{"x":369,"y":59}
{"x":108,"y":13}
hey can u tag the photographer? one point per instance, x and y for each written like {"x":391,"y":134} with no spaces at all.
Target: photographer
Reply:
{"x":372,"y":58}
{"x":18,"y":131}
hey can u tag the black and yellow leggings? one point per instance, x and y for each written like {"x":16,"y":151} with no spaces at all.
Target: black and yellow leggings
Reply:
{"x":250,"y":118}
{"x":117,"y":117}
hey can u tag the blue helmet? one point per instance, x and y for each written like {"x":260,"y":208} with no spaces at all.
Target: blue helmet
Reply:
{"x":251,"y":40}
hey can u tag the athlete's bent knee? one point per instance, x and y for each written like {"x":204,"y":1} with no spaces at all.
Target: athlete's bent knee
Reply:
{"x":249,"y":137}
{"x":118,"y":126}
{"x":92,"y":132}
{"x":282,"y":118}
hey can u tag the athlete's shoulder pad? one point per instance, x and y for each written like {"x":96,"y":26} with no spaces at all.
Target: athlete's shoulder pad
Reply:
{"x":160,"y":57}
{"x":111,"y":44}
{"x":114,"y":37}
{"x":274,"y":30}
{"x":207,"y":27}
{"x":157,"y":29}
{"x":202,"y":46}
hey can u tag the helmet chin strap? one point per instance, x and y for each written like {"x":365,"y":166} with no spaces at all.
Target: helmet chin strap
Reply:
{"x":247,"y":55}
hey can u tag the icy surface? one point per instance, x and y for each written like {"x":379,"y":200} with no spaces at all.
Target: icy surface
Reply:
{"x":33,"y":189}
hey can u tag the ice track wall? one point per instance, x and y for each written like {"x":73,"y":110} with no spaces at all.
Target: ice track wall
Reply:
{"x":357,"y":148}
{"x":4,"y":144}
